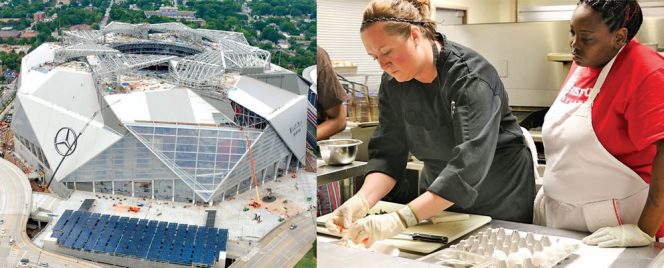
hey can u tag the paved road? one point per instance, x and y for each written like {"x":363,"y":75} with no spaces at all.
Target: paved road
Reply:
{"x":15,"y":203}
{"x":7,"y":96}
{"x":284,"y":247}
{"x":103,"y":21}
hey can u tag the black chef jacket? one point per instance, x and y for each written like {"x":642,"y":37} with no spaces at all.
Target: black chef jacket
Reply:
{"x":461,"y":127}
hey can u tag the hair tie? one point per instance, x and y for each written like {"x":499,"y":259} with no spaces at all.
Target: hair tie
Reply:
{"x":367,"y":21}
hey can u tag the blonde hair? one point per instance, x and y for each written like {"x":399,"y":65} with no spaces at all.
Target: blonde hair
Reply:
{"x":399,"y":15}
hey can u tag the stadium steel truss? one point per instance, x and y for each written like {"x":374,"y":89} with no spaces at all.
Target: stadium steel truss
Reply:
{"x":165,"y":110}
{"x":200,"y":56}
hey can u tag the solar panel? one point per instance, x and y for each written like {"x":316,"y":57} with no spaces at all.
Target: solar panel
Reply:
{"x":73,"y":229}
{"x":103,"y":239}
{"x":139,"y":238}
{"x":96,"y":232}
{"x":87,"y":204}
{"x":63,"y":219}
{"x":211,"y":216}
{"x":86,"y":231}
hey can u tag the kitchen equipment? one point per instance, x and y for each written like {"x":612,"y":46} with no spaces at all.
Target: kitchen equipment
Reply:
{"x":423,"y":237}
{"x":339,"y":151}
{"x":453,"y":230}
{"x":412,"y":236}
{"x":505,"y":248}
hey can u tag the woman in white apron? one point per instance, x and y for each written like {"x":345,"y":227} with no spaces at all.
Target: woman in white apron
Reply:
{"x":603,"y":135}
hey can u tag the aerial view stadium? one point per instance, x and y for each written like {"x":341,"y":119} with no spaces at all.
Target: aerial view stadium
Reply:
{"x":160,"y":145}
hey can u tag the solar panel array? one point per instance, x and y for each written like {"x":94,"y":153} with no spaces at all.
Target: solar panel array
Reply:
{"x":87,"y":204}
{"x":211,"y":216}
{"x":140,"y":238}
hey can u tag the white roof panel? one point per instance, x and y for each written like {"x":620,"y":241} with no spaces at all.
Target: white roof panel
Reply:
{"x":174,"y":105}
{"x":161,"y":106}
{"x":71,"y":90}
{"x":47,"y":119}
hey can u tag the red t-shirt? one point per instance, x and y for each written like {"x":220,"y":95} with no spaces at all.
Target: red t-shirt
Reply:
{"x":628,"y":113}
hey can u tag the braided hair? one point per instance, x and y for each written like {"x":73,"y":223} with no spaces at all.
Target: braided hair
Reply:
{"x":617,"y":14}
{"x":399,"y":15}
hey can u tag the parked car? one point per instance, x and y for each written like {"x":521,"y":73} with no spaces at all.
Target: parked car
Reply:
{"x":42,"y":264}
{"x":293,"y":226}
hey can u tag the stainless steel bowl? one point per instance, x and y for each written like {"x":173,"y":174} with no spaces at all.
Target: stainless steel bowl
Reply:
{"x":339,"y":151}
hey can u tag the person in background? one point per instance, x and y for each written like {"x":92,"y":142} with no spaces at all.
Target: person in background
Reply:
{"x":445,"y":104}
{"x":331,"y":120}
{"x":331,"y":97}
{"x":603,"y":134}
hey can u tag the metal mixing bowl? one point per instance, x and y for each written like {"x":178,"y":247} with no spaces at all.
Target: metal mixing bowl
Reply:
{"x":339,"y":151}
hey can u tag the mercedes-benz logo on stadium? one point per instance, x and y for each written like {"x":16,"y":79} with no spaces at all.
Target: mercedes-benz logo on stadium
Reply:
{"x":65,"y":141}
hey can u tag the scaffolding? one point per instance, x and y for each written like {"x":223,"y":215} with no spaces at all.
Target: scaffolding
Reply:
{"x":246,"y":118}
{"x":109,"y":67}
{"x":217,"y":36}
{"x":239,"y":56}
{"x":64,"y":54}
{"x":134,"y":30}
{"x":200,"y":71}
{"x":196,"y":58}
{"x":180,"y":29}
{"x":75,"y":37}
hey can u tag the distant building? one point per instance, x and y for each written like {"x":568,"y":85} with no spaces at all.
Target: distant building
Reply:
{"x":173,"y":12}
{"x":7,"y":28}
{"x":9,"y":75}
{"x":80,"y":27}
{"x":15,"y":48}
{"x":9,"y":19}
{"x":28,"y":34}
{"x":39,"y":16}
{"x":7,"y":34}
{"x":64,"y":2}
{"x":283,"y":44}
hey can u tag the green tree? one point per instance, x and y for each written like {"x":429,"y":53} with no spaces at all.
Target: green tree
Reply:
{"x":271,"y":33}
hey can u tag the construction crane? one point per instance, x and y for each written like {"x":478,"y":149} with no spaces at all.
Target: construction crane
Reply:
{"x":255,"y":203}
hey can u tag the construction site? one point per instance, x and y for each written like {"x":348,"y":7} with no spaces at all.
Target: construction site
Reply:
{"x":186,"y":142}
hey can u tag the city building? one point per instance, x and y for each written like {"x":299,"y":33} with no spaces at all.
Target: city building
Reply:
{"x":173,"y":12}
{"x":39,"y":16}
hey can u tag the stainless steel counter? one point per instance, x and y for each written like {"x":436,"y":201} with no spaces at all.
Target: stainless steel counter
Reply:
{"x":651,"y":256}
{"x":326,"y":174}
{"x":629,"y":257}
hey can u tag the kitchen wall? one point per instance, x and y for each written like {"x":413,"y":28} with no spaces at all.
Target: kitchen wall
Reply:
{"x":517,"y":50}
{"x":479,"y":11}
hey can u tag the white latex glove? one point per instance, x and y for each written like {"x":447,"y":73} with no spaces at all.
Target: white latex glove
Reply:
{"x":376,"y":227}
{"x":626,"y":235}
{"x":341,"y":218}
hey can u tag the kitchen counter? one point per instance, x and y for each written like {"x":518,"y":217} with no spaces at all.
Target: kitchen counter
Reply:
{"x":651,"y":256}
{"x":326,"y":174}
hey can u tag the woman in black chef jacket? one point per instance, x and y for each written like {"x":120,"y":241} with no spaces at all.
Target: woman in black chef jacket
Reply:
{"x":445,"y":104}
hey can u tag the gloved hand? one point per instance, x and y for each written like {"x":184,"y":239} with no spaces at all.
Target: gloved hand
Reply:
{"x":341,"y":218}
{"x":376,"y":227}
{"x":626,"y":235}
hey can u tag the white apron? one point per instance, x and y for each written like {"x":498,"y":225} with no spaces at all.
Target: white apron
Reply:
{"x":585,"y":187}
